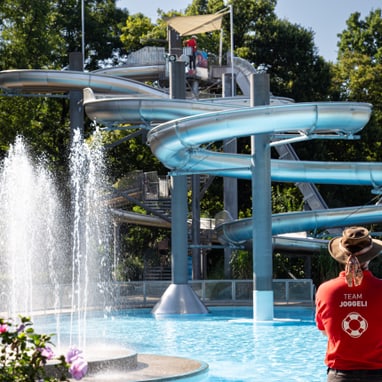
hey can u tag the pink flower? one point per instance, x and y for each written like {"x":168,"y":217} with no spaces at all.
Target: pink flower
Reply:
{"x":78,"y":368}
{"x":72,"y":354}
{"x":47,"y":352}
{"x":3,"y":328}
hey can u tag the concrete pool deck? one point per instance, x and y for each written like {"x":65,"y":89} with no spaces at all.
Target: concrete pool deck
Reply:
{"x":153,"y":367}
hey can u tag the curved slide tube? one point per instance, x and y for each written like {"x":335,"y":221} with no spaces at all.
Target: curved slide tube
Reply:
{"x":177,"y":144}
{"x":53,"y":81}
{"x":240,"y":231}
{"x":140,"y":219}
{"x":139,"y":73}
{"x":193,"y":124}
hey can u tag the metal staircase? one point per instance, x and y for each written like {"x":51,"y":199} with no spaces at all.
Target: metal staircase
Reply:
{"x":313,"y":200}
{"x":149,"y":191}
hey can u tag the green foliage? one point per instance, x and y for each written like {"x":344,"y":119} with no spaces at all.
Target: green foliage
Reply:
{"x":250,"y":18}
{"x":25,"y":353}
{"x":139,"y":249}
{"x":241,"y":264}
{"x":285,"y":199}
{"x":138,"y":31}
{"x":40,"y":121}
{"x":375,"y":266}
{"x":355,"y":77}
{"x":103,"y":24}
{"x":135,"y":32}
{"x":357,"y":73}
{"x":212,"y":201}
{"x":24,"y":25}
{"x":362,"y":36}
{"x":130,"y":268}
{"x":129,"y":156}
{"x":287,"y":266}
{"x":325,"y":267}
{"x":288,"y":54}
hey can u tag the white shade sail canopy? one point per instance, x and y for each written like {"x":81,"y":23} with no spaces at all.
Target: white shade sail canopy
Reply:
{"x":188,"y":25}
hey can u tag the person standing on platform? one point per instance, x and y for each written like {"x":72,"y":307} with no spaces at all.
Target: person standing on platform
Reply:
{"x":349,"y":310}
{"x":193,"y":45}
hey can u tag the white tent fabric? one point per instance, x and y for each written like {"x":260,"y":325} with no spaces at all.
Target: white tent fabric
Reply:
{"x":188,"y":25}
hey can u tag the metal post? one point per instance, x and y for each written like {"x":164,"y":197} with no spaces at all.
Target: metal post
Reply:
{"x":174,"y":42}
{"x":177,"y":80}
{"x":83,"y":32}
{"x":228,"y":85}
{"x":196,"y":256}
{"x":232,"y":47}
{"x":261,"y":209}
{"x":229,"y":184}
{"x":179,"y":297}
{"x":179,"y":192}
{"x":179,"y":230}
{"x":76,"y":110}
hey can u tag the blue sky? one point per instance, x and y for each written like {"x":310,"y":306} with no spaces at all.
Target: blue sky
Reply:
{"x":326,"y":18}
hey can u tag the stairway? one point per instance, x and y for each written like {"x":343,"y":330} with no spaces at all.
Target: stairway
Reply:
{"x":312,"y":197}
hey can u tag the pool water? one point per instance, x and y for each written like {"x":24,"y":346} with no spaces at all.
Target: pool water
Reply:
{"x":236,"y":348}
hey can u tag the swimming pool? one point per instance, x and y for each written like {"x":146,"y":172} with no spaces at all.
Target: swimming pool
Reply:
{"x":237,"y":349}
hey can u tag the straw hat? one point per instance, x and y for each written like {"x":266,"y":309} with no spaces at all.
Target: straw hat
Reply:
{"x":355,"y":241}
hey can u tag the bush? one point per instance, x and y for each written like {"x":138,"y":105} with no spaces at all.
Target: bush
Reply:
{"x":24,"y":355}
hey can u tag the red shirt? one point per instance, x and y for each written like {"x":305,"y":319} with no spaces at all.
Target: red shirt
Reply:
{"x":192,"y":43}
{"x":352,"y":319}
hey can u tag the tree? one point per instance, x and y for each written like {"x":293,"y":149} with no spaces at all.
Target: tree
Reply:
{"x":250,"y":17}
{"x":103,"y":23}
{"x":362,"y":36}
{"x":355,"y":77}
{"x":288,"y":54}
{"x":135,"y":32}
{"x":24,"y":25}
{"x":357,"y":74}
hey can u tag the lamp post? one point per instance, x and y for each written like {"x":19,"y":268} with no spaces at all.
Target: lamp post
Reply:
{"x":83,"y":32}
{"x":231,"y":44}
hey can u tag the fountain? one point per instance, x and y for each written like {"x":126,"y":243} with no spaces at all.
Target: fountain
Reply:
{"x":56,"y":260}
{"x":91,"y":267}
{"x":39,"y":263}
{"x":31,"y":223}
{"x":41,"y":271}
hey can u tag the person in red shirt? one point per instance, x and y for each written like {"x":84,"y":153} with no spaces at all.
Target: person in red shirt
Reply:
{"x":192,"y":43}
{"x":349,"y":310}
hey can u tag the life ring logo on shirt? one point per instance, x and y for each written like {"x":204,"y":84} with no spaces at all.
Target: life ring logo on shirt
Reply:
{"x":354,"y":325}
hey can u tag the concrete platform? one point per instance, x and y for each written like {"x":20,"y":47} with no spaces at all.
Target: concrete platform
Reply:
{"x":152,"y":367}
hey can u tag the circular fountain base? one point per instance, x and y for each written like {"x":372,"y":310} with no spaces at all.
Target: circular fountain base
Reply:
{"x":101,"y":360}
{"x":152,"y":367}
{"x":122,"y":365}
{"x":107,"y":360}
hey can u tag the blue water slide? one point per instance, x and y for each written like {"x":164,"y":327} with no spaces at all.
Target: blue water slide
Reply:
{"x":53,"y":81}
{"x":179,"y":141}
{"x":181,"y":130}
{"x":179,"y":145}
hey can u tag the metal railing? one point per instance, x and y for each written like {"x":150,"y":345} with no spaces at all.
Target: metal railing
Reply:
{"x":215,"y":292}
{"x":148,"y":293}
